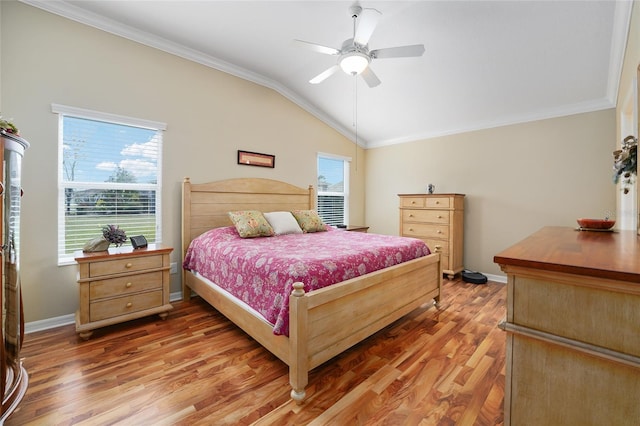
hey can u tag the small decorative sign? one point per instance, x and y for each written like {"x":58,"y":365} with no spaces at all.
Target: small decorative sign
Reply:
{"x":256,"y":159}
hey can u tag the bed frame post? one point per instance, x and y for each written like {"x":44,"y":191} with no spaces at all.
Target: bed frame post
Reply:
{"x":438,"y":249}
{"x":186,"y":233}
{"x":312,"y":198}
{"x":299,"y":359}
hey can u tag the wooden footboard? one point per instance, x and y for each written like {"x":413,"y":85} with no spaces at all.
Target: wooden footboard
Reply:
{"x":326,"y":322}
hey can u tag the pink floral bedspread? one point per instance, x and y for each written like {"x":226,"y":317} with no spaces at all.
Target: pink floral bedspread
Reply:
{"x":261,"y":271}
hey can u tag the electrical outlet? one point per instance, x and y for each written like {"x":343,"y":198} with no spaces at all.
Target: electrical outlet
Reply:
{"x":173,"y":268}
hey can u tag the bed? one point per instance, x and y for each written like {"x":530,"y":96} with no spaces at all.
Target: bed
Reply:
{"x":317,"y":318}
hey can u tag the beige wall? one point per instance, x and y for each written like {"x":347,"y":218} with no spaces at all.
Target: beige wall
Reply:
{"x":516,"y":178}
{"x":209,"y":114}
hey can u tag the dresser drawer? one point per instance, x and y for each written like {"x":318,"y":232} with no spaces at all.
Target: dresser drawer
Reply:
{"x":125,"y":285}
{"x":425,"y":231}
{"x":431,"y":243}
{"x":417,"y":202}
{"x":124,"y":305}
{"x":130,"y":264}
{"x":437,"y":202}
{"x":431,"y":216}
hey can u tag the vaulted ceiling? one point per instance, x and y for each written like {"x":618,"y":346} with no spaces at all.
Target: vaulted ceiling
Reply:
{"x":486,"y":64}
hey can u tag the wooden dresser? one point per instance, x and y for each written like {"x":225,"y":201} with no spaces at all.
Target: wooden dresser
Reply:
{"x":573,"y":328}
{"x":120,"y":285}
{"x":438,"y":219}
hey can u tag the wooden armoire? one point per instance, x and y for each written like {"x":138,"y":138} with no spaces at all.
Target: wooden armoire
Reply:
{"x":14,"y":379}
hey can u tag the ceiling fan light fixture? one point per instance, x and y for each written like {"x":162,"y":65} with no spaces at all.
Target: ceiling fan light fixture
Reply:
{"x":354,"y":63}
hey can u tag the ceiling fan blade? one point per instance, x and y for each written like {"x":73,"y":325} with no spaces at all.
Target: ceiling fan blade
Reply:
{"x":370,"y":77}
{"x":398,"y":52}
{"x":317,"y":47}
{"x":324,"y":75}
{"x":367,"y":22}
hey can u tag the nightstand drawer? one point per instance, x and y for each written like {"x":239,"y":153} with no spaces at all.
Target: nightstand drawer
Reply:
{"x":124,"y":305}
{"x":420,"y":230}
{"x":130,"y":264}
{"x":125,"y":285}
{"x":431,"y":216}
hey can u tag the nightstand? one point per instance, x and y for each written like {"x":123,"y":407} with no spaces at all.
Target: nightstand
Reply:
{"x":121,"y":284}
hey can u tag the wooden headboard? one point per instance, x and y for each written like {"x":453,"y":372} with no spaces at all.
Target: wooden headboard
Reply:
{"x":205,"y":205}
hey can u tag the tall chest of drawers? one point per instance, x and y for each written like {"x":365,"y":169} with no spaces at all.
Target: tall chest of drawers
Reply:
{"x":120,"y":285}
{"x":438,"y":220}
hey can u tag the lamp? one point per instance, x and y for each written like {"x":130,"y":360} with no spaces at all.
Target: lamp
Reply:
{"x":354,"y":63}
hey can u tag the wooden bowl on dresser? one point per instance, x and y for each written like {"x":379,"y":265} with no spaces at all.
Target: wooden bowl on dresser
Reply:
{"x":596,"y":223}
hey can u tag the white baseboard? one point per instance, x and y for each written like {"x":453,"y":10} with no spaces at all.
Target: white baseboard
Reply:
{"x":49,"y":323}
{"x":497,"y":278}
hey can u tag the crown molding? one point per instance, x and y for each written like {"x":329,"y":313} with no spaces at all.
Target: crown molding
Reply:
{"x":581,"y":108}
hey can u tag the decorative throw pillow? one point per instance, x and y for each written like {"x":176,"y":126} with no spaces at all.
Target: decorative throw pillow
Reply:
{"x":250,"y":224}
{"x":283,"y":223}
{"x":309,"y":221}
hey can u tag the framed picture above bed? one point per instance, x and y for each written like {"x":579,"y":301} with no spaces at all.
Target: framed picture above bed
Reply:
{"x":248,"y":158}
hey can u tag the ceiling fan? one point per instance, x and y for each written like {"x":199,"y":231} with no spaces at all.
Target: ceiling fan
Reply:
{"x":354,"y":57}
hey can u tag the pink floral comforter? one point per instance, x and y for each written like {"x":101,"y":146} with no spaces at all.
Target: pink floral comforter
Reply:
{"x":261,"y":271}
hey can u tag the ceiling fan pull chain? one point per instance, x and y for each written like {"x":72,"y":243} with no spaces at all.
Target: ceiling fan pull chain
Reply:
{"x":355,"y":114}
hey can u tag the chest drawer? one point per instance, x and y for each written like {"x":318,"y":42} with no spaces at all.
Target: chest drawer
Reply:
{"x":431,"y":243}
{"x":123,"y":305}
{"x":417,"y":202}
{"x":125,"y":285}
{"x":425,"y":231}
{"x":437,"y":202}
{"x":431,"y":216}
{"x":131,"y":264}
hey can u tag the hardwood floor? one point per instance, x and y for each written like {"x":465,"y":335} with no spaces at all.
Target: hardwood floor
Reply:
{"x":433,"y":367}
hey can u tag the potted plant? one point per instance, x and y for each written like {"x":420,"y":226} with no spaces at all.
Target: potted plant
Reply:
{"x":8,"y":127}
{"x":625,"y":163}
{"x":114,"y":234}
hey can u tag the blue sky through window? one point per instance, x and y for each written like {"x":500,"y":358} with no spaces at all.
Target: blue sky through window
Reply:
{"x":331,"y":169}
{"x":93,"y":151}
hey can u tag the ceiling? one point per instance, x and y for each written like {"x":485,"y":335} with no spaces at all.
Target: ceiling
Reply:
{"x":486,"y":64}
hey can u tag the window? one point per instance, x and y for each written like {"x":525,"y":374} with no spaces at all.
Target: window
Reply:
{"x":109,"y":173}
{"x":333,"y":189}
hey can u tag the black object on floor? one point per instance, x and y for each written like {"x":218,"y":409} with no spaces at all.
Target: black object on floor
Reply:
{"x":473,"y":277}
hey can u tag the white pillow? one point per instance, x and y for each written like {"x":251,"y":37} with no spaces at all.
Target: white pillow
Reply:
{"x":283,"y":223}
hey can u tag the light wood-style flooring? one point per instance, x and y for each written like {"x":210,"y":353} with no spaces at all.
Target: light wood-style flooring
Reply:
{"x":433,"y":367}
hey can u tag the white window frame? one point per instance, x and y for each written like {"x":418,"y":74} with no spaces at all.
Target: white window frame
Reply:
{"x":346,"y":185}
{"x":68,"y":111}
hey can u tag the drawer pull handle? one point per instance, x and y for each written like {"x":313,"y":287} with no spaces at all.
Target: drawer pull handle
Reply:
{"x":129,"y":305}
{"x":127,"y":285}
{"x":410,"y":229}
{"x":439,"y":231}
{"x":128,"y":265}
{"x":413,"y":202}
{"x":439,"y":217}
{"x":410,"y":215}
{"x":437,"y":202}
